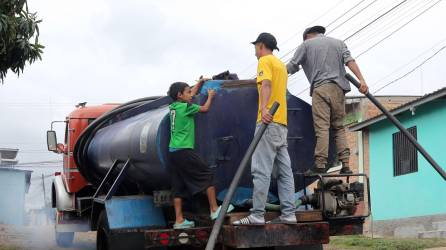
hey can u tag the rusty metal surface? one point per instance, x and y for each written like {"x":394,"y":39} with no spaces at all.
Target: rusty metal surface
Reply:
{"x":346,"y":227}
{"x":302,"y":233}
{"x":174,"y":237}
{"x":276,"y":235}
{"x":302,"y":216}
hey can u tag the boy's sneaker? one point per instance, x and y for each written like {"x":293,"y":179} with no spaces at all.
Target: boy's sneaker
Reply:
{"x":215,"y":214}
{"x":249,"y":220}
{"x":184,"y":225}
{"x":284,"y":220}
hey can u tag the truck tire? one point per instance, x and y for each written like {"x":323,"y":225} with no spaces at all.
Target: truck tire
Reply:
{"x":64,"y":239}
{"x":103,"y":232}
{"x":105,"y":240}
{"x":306,"y":247}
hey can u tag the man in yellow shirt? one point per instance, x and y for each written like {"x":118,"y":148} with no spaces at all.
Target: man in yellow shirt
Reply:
{"x":272,"y":150}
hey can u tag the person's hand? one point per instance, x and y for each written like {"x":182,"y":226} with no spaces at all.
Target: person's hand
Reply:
{"x":60,"y":148}
{"x":363,"y":88}
{"x":211,"y":93}
{"x":202,"y":79}
{"x":267,"y":118}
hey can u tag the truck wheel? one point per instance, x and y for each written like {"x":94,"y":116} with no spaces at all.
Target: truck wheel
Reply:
{"x":64,"y":239}
{"x":103,"y":233}
{"x":105,"y":240}
{"x":306,"y":247}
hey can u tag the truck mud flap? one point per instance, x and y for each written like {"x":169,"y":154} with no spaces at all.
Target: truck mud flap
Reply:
{"x":275,"y":235}
{"x":346,"y":227}
{"x":136,"y":211}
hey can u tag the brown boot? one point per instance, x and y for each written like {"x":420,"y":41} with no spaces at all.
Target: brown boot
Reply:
{"x":317,"y":170}
{"x":345,"y":169}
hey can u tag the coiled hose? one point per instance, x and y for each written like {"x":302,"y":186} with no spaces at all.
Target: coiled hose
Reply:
{"x":81,"y":146}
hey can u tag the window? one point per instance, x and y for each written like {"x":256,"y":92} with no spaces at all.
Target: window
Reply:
{"x":66,"y":131}
{"x":90,"y":120}
{"x":405,"y":157}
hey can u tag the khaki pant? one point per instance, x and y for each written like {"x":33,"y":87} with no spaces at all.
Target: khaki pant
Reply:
{"x":329,"y":112}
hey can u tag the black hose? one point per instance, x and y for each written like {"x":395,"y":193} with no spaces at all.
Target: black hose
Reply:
{"x":241,"y":168}
{"x":81,"y":146}
{"x":403,"y":130}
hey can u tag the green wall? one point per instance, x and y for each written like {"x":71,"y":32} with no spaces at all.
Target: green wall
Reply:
{"x":415,"y":194}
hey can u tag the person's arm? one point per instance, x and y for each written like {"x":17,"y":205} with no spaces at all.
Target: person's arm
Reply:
{"x":293,"y":66}
{"x":353,"y":66}
{"x":264,"y":78}
{"x":207,"y":104}
{"x":265,"y":95}
{"x":196,"y":88}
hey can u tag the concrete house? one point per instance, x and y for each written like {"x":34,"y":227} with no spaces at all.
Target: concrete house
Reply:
{"x":408,"y":196}
{"x":14,"y":184}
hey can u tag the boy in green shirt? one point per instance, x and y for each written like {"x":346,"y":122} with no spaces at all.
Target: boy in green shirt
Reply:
{"x":190,"y":174}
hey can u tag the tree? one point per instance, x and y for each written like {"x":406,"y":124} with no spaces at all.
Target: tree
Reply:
{"x":19,"y":37}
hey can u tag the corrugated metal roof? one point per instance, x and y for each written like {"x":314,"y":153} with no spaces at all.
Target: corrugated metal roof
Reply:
{"x":407,"y":106}
{"x":8,"y":153}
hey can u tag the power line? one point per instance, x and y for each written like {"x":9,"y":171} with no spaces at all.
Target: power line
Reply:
{"x":42,"y":152}
{"x":295,"y":34}
{"x":33,"y":151}
{"x":357,"y":13}
{"x":317,"y":19}
{"x":411,"y":71}
{"x":303,"y":91}
{"x":408,"y":63}
{"x":364,"y":21}
{"x":358,"y":31}
{"x":363,"y":27}
{"x":378,"y":29}
{"x":345,"y":13}
{"x":40,"y":162}
{"x":376,"y":19}
{"x":290,"y":51}
{"x":404,"y":25}
{"x":34,"y":103}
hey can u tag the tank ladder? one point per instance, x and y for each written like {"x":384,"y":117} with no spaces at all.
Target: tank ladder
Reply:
{"x":115,"y":179}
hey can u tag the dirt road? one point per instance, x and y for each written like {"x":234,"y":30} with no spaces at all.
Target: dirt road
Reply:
{"x":41,"y":238}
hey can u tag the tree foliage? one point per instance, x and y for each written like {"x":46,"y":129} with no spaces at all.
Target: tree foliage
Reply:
{"x":19,"y":37}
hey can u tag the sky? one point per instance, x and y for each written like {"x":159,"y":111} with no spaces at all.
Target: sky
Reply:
{"x":109,"y":51}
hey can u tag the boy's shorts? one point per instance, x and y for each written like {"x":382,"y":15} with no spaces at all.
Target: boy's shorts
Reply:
{"x":190,"y":174}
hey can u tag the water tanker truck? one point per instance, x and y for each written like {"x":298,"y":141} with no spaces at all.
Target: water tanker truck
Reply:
{"x":116,"y":180}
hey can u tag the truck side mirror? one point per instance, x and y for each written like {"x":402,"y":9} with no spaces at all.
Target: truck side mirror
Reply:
{"x":51,"y":141}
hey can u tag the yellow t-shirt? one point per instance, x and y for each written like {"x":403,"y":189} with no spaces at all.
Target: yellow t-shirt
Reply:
{"x":271,"y":68}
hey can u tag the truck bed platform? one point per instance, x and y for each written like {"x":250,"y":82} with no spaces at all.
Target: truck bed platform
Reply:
{"x":311,"y":229}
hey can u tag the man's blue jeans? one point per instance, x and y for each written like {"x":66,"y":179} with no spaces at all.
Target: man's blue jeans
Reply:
{"x":272,"y":153}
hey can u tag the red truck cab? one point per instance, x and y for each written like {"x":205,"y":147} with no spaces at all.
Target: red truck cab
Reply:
{"x":75,"y":123}
{"x":69,"y":183}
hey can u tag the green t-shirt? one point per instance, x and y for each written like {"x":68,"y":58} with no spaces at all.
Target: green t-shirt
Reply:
{"x":182,"y":125}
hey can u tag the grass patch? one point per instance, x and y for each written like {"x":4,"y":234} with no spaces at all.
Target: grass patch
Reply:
{"x":362,"y":242}
{"x":8,"y":248}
